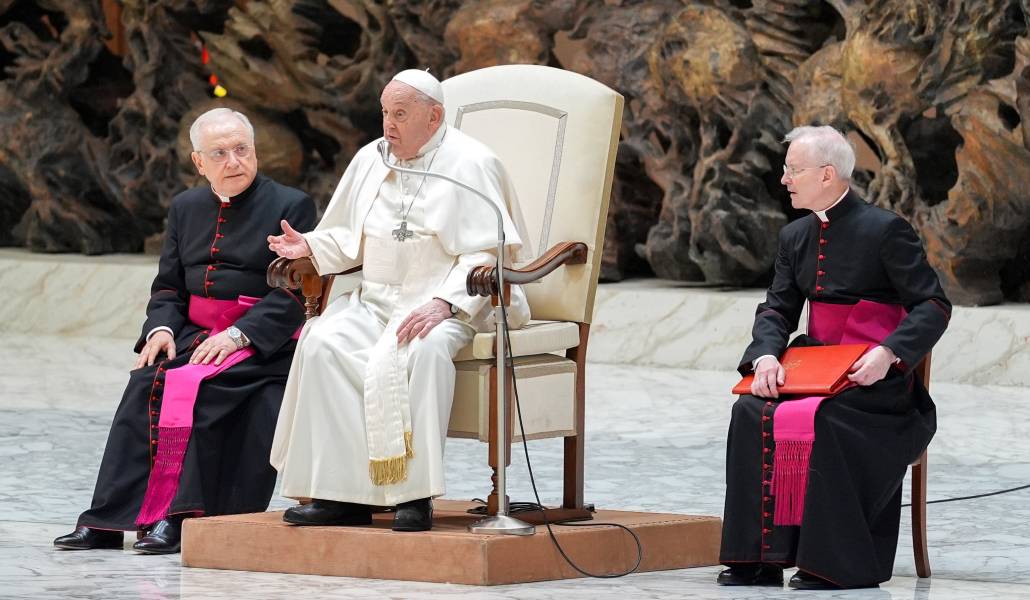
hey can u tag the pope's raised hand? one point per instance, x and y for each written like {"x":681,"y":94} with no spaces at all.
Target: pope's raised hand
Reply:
{"x":290,"y":244}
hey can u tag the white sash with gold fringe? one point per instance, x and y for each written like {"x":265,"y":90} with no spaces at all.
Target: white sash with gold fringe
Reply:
{"x":418,"y":267}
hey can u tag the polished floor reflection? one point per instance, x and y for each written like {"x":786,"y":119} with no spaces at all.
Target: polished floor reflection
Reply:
{"x":656,"y":442}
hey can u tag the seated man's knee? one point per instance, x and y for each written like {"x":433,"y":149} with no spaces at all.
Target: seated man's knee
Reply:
{"x":317,"y":344}
{"x":436,"y":346}
{"x":746,"y":407}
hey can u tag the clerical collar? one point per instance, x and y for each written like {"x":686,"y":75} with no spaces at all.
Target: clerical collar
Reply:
{"x":228,"y":200}
{"x":434,"y":141}
{"x":822,"y":213}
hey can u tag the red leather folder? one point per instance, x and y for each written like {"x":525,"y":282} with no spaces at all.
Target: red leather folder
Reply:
{"x":813,"y":370}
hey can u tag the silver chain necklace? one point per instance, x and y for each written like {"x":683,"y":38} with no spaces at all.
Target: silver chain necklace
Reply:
{"x":402,"y":233}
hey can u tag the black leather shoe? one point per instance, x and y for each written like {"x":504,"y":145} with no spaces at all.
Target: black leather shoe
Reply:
{"x":751,"y":574}
{"x":329,"y":512}
{"x":87,"y":538}
{"x":164,"y":538}
{"x":416,"y":515}
{"x":807,"y":581}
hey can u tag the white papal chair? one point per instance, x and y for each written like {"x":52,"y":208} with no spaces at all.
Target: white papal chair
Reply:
{"x":557,"y":133}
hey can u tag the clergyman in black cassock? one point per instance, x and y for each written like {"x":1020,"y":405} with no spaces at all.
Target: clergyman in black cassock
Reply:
{"x":844,"y":252}
{"x":215,"y":248}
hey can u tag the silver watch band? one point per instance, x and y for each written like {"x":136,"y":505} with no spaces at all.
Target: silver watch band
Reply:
{"x":237,"y":337}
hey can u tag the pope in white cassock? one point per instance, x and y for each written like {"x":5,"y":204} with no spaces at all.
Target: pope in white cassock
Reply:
{"x":365,"y":415}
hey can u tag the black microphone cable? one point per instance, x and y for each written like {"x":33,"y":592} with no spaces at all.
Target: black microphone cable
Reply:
{"x":973,"y":497}
{"x":510,"y":364}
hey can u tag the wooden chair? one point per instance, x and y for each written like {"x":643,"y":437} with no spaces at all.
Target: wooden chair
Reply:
{"x":922,"y":558}
{"x":556,"y":133}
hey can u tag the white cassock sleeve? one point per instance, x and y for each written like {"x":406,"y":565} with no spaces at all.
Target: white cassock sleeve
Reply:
{"x":335,"y":242}
{"x":469,"y":230}
{"x":326,"y":254}
{"x":453,"y":287}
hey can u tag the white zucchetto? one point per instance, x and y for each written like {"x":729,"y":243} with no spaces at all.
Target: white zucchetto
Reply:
{"x":421,"y":81}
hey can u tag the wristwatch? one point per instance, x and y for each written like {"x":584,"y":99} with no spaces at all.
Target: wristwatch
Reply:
{"x":454,"y":310}
{"x":237,"y":337}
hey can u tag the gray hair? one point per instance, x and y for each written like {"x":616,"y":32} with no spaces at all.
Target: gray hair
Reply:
{"x":212,"y":116}
{"x":829,"y":144}
{"x":424,"y":98}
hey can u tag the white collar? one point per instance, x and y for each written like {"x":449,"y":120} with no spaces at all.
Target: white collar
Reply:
{"x":822,"y":213}
{"x":221,"y":198}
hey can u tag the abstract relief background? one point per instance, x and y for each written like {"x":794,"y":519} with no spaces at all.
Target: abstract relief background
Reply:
{"x":97,"y":97}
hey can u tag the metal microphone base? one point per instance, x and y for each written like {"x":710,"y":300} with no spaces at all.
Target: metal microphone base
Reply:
{"x":501,"y":525}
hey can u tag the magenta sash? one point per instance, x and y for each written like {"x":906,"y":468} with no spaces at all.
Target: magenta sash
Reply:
{"x":180,"y":395}
{"x":866,"y":322}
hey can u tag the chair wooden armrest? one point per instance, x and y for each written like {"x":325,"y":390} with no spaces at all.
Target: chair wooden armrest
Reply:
{"x":482,"y":281}
{"x":291,"y":274}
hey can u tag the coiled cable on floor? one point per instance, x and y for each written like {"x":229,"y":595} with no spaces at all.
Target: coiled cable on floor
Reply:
{"x":510,"y":363}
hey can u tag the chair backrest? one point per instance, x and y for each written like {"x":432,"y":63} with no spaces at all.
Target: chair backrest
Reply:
{"x":556,"y":133}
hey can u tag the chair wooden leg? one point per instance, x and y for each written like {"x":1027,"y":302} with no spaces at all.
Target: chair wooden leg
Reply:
{"x":575,"y":445}
{"x":573,"y":485}
{"x":922,"y":558}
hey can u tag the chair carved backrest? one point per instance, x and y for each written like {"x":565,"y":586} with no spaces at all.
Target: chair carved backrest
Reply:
{"x":557,"y":133}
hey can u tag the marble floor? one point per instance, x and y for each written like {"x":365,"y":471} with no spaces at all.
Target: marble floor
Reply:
{"x":655,"y":442}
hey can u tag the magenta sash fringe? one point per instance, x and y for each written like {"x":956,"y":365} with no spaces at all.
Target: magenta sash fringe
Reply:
{"x":794,"y":420}
{"x":793,"y":434}
{"x":180,"y":395}
{"x":164,"y":474}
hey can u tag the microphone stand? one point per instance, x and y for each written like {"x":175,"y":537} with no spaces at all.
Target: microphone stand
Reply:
{"x":502,"y":522}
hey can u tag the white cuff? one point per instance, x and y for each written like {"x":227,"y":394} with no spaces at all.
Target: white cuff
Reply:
{"x":897,"y":359}
{"x":754,"y":363}
{"x":160,"y":328}
{"x":460,"y":315}
{"x":326,"y":254}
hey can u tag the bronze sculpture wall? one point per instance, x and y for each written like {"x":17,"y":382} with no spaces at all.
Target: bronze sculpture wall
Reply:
{"x":937,"y":94}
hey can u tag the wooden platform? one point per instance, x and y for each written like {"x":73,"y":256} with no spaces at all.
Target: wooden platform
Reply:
{"x":448,"y":553}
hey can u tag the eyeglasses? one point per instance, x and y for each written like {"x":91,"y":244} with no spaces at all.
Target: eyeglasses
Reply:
{"x":793,"y":172}
{"x":220,"y":155}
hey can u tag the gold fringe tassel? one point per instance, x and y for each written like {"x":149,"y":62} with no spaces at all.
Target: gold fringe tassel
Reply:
{"x":387,"y":471}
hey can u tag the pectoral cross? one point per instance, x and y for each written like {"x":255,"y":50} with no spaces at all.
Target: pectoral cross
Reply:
{"x":401,"y":233}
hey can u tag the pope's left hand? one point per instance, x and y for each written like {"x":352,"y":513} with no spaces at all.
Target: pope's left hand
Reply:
{"x":422,"y":320}
{"x":216,"y":348}
{"x":872,"y":366}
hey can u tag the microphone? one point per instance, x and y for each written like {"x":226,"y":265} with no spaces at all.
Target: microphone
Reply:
{"x":384,"y":155}
{"x":502,"y":523}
